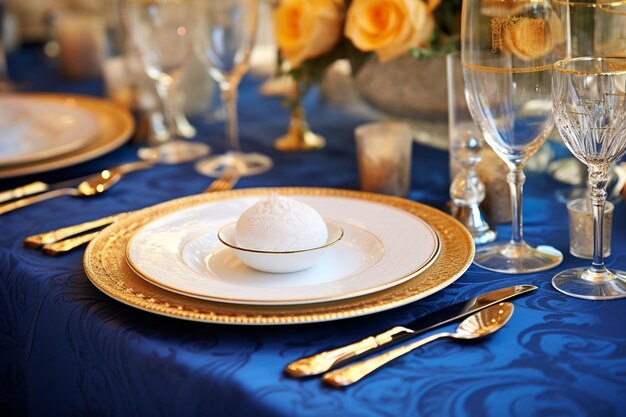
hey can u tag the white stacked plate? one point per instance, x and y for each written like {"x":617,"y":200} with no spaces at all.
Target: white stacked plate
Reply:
{"x":168,"y":259}
{"x":382,"y":246}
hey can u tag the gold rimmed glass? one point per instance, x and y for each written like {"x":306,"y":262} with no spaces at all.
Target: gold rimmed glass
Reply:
{"x":589,"y":95}
{"x":508,"y":49}
{"x":591,"y":28}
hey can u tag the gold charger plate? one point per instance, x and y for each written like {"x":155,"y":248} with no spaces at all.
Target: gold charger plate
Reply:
{"x":105,"y":265}
{"x":115,"y":126}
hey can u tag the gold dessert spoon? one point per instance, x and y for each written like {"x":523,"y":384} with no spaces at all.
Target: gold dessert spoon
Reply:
{"x":91,"y":186}
{"x":481,"y":324}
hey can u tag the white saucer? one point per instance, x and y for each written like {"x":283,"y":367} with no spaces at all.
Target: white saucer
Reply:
{"x":382,"y":246}
{"x":33,"y":129}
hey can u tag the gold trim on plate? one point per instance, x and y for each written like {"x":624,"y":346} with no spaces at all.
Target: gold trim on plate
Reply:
{"x":115,"y":126}
{"x":432,"y":256}
{"x":105,"y":265}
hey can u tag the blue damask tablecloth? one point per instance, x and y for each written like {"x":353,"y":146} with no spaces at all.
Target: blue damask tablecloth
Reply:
{"x":68,"y":349}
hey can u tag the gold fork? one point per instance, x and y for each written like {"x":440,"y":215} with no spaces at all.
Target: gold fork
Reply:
{"x":226,"y":181}
{"x":64,"y":240}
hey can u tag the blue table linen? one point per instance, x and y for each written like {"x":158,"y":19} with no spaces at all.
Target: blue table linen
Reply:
{"x":68,"y":349}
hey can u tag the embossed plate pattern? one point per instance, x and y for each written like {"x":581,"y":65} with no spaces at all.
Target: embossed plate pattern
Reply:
{"x":106,"y":267}
{"x":403,"y":246}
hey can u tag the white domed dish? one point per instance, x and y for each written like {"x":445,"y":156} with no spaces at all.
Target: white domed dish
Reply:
{"x":282,"y":262}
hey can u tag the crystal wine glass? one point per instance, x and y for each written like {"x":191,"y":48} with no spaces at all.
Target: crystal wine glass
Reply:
{"x":590,"y":112}
{"x":592,"y":28}
{"x":507,"y":54}
{"x":223,"y":42}
{"x":160,"y":30}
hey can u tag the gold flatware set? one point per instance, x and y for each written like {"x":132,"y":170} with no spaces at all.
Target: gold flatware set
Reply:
{"x":483,"y":315}
{"x":478,"y":325}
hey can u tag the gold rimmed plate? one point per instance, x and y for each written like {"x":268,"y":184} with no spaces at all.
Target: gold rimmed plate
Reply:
{"x":114,"y":127}
{"x":32,"y":129}
{"x":382,"y":246}
{"x":106,"y":266}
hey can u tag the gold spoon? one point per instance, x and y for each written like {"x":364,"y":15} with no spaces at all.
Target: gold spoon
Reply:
{"x":91,"y":186}
{"x":478,"y":325}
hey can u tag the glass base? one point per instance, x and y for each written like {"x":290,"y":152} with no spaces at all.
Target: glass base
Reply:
{"x":590,"y":285}
{"x":174,"y":152}
{"x":517,"y":259}
{"x":568,"y":194}
{"x":247,"y":164}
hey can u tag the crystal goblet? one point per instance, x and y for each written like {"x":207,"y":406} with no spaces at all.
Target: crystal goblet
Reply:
{"x":590,"y":112}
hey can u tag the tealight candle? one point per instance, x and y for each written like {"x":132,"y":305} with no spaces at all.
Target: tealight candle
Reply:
{"x":581,"y":228}
{"x":384,"y":157}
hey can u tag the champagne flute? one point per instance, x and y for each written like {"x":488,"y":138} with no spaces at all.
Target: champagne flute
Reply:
{"x":160,"y":31}
{"x":223,"y":42}
{"x":507,"y":54}
{"x":589,"y":96}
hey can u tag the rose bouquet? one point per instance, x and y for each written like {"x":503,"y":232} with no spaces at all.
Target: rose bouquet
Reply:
{"x":313,"y":34}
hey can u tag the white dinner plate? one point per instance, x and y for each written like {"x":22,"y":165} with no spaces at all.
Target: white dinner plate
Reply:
{"x":32,"y":129}
{"x":382,"y":246}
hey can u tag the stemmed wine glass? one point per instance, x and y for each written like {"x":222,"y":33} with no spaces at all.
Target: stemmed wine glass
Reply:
{"x":589,"y":96}
{"x":224,"y":39}
{"x":507,"y":55}
{"x":592,"y":28}
{"x":160,"y":30}
{"x":5,"y":82}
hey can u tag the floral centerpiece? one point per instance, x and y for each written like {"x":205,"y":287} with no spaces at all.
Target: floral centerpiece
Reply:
{"x":313,"y":34}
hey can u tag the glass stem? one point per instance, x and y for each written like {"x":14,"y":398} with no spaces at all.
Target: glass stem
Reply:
{"x":165,"y":90}
{"x":228,"y":92}
{"x":598,"y":179}
{"x":516,"y":179}
{"x":4,"y":73}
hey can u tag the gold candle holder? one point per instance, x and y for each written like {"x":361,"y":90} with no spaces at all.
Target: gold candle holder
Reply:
{"x":299,"y":137}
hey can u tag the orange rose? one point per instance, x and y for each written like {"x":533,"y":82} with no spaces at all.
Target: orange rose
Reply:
{"x":307,"y":28}
{"x":389,"y":27}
